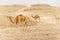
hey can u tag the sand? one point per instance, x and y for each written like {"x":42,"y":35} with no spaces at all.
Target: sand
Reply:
{"x":46,"y":28}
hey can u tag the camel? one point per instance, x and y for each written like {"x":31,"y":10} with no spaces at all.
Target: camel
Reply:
{"x":21,"y":18}
{"x":36,"y":17}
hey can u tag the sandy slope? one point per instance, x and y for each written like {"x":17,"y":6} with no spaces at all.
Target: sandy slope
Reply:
{"x":10,"y":8}
{"x":42,"y":31}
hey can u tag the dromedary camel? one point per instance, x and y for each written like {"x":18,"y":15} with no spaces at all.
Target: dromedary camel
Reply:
{"x":19,"y":19}
{"x":36,"y":17}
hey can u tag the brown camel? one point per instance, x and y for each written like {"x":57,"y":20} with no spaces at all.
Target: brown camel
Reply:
{"x":36,"y":17}
{"x":21,"y":18}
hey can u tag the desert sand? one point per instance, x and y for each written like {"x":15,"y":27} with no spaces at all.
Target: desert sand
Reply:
{"x":47,"y":28}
